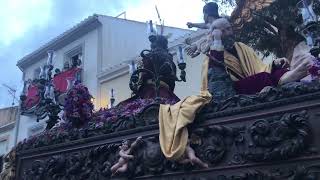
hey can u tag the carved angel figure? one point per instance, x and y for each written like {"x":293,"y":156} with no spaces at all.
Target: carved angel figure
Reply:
{"x":190,"y":157}
{"x":125,"y":155}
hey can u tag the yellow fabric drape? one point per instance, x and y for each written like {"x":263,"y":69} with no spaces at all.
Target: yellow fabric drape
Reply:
{"x":173,"y":119}
{"x":248,"y":63}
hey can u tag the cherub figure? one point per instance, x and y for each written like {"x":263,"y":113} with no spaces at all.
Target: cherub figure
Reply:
{"x":190,"y":157}
{"x":125,"y":155}
{"x":210,"y":14}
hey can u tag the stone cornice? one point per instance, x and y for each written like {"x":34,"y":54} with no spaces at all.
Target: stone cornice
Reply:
{"x":65,"y":38}
{"x":113,"y":72}
{"x":7,"y":127}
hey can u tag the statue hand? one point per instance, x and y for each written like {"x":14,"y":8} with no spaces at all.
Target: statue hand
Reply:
{"x":281,"y":62}
{"x":191,"y":49}
{"x":190,"y":25}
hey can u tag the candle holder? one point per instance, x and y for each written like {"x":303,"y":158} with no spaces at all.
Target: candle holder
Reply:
{"x":158,"y":67}
{"x":310,"y":30}
{"x":47,"y":105}
{"x":181,"y":64}
{"x":50,"y":57}
{"x":112,"y":99}
{"x":151,"y":29}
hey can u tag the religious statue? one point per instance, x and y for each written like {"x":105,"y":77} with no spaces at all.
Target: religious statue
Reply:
{"x":246,"y":71}
{"x":125,"y":155}
{"x":190,"y":157}
{"x":156,"y":72}
{"x":210,"y":14}
{"x":219,"y":82}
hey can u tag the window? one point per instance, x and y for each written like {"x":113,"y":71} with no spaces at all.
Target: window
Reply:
{"x":36,"y":73}
{"x":73,"y":58}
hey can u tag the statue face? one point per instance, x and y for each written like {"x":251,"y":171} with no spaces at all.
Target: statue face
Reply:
{"x":125,"y":145}
{"x":228,"y":37}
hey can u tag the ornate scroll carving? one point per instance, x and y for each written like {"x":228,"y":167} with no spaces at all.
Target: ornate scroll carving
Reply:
{"x":288,"y":93}
{"x":214,"y":142}
{"x":277,"y":139}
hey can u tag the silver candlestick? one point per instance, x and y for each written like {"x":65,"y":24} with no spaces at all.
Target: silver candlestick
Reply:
{"x":310,"y":28}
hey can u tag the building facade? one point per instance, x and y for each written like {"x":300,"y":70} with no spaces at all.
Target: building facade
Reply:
{"x":8,"y":132}
{"x":105,"y":46}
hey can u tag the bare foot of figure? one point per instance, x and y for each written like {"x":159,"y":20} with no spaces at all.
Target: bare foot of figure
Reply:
{"x":190,"y":157}
{"x":198,"y":162}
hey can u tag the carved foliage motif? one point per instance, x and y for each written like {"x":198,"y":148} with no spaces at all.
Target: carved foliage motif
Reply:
{"x":276,"y":138}
{"x":215,"y":141}
{"x":92,"y":164}
{"x":56,"y":136}
{"x":236,"y":104}
{"x":297,"y":173}
{"x":287,"y":93}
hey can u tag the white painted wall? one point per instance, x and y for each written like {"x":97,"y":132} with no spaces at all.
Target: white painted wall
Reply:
{"x":28,"y":126}
{"x":7,"y":139}
{"x":125,"y":39}
{"x":116,"y":41}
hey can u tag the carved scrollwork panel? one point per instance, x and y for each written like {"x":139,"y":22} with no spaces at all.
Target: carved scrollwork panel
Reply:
{"x":279,"y":138}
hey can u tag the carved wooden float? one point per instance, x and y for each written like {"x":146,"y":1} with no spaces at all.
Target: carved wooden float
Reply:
{"x":270,"y":136}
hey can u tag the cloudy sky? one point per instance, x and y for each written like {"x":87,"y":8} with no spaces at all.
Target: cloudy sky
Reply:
{"x":27,"y":24}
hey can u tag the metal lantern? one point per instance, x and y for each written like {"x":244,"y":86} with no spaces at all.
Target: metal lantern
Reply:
{"x":310,"y":28}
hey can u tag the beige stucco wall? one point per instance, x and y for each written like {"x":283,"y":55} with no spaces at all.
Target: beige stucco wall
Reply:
{"x":182,"y":90}
{"x":120,"y":86}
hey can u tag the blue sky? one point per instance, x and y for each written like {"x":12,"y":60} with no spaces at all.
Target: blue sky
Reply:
{"x":27,"y":24}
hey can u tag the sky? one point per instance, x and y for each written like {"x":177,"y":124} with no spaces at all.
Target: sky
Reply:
{"x":27,"y":24}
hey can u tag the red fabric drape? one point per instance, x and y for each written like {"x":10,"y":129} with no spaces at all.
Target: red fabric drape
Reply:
{"x":32,"y":97}
{"x":60,"y":80}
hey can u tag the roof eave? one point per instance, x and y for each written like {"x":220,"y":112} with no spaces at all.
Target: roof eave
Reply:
{"x":65,"y":38}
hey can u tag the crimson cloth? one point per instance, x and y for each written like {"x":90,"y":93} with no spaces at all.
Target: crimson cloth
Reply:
{"x":255,"y":83}
{"x":60,"y":80}
{"x":32,"y":97}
